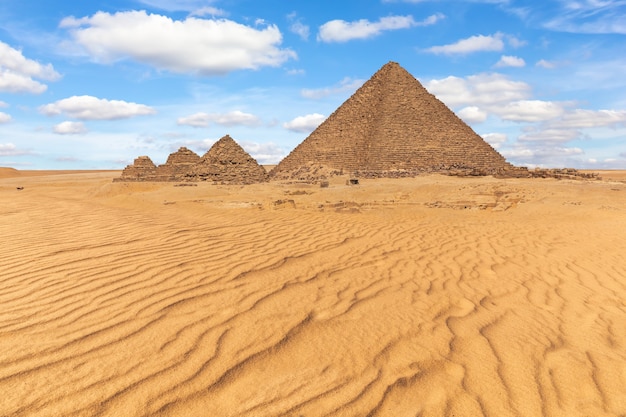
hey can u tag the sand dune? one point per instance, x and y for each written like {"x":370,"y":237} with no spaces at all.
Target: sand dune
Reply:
{"x":433,"y":296}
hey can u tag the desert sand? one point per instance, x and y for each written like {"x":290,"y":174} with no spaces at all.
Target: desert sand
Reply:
{"x":429,"y":296}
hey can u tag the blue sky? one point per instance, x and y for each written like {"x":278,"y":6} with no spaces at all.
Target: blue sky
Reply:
{"x":94,"y":84}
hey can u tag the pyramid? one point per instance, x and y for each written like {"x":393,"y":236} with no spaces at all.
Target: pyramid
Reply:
{"x":177,"y":166}
{"x":142,"y":169}
{"x":228,"y":163}
{"x":391,"y":126}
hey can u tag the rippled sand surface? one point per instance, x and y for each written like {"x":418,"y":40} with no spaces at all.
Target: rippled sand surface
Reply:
{"x":433,"y":296}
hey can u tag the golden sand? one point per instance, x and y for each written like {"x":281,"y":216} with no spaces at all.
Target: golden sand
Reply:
{"x":432,"y":296}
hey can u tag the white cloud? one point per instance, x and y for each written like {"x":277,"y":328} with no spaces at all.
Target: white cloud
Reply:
{"x":93,"y":108}
{"x":530,"y":110}
{"x":294,"y":71}
{"x":13,"y":60}
{"x":542,"y":63}
{"x":177,"y":5}
{"x":342,"y":31}
{"x":495,"y":139}
{"x":70,"y":128}
{"x":17,"y":72}
{"x":346,"y":85}
{"x":9,"y":149}
{"x":264,"y":153}
{"x":193,"y":45}
{"x":233,"y":118}
{"x":541,"y":155}
{"x":3,"y":104}
{"x":510,"y":61}
{"x":478,"y":90}
{"x":472,"y":114}
{"x":298,"y":27}
{"x":208,"y":11}
{"x":589,"y":16}
{"x":515,"y":42}
{"x":12,"y":82}
{"x":5,"y":118}
{"x":472,"y":44}
{"x":580,"y":118}
{"x":306,"y":123}
{"x":547,"y":135}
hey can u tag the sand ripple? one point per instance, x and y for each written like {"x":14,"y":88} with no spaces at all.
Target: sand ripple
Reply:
{"x":114,"y":303}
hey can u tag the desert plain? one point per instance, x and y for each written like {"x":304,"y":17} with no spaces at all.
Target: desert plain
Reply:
{"x":426,"y":296}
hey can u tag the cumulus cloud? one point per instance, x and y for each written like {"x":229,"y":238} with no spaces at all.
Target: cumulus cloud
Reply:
{"x":581,"y":118}
{"x":93,"y":108}
{"x":346,"y":85}
{"x":305,"y":124}
{"x":5,"y":118}
{"x":530,"y":110}
{"x":70,"y":128}
{"x":193,"y":45}
{"x":510,"y":61}
{"x":478,"y":90}
{"x":542,"y":152}
{"x":547,"y":135}
{"x":17,"y":72}
{"x":472,"y":114}
{"x":342,"y":31}
{"x":477,"y":43}
{"x":233,"y":118}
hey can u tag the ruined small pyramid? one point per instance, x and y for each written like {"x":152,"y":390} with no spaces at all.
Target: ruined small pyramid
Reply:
{"x":391,"y":126}
{"x":228,"y":163}
{"x":142,"y":169}
{"x":178,"y":165}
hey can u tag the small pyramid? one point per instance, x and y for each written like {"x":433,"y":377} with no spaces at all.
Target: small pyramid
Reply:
{"x":228,"y":163}
{"x":177,"y":166}
{"x":142,"y":169}
{"x":391,"y":126}
{"x":183,"y":156}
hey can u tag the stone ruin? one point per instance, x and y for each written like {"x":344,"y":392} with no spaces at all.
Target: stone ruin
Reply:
{"x":225,"y":163}
{"x":390,"y":127}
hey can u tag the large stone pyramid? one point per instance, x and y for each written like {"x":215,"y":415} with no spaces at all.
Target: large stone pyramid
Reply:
{"x":228,"y":163}
{"x":390,"y":127}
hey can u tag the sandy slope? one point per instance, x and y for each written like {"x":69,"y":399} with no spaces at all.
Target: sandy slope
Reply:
{"x":433,"y":296}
